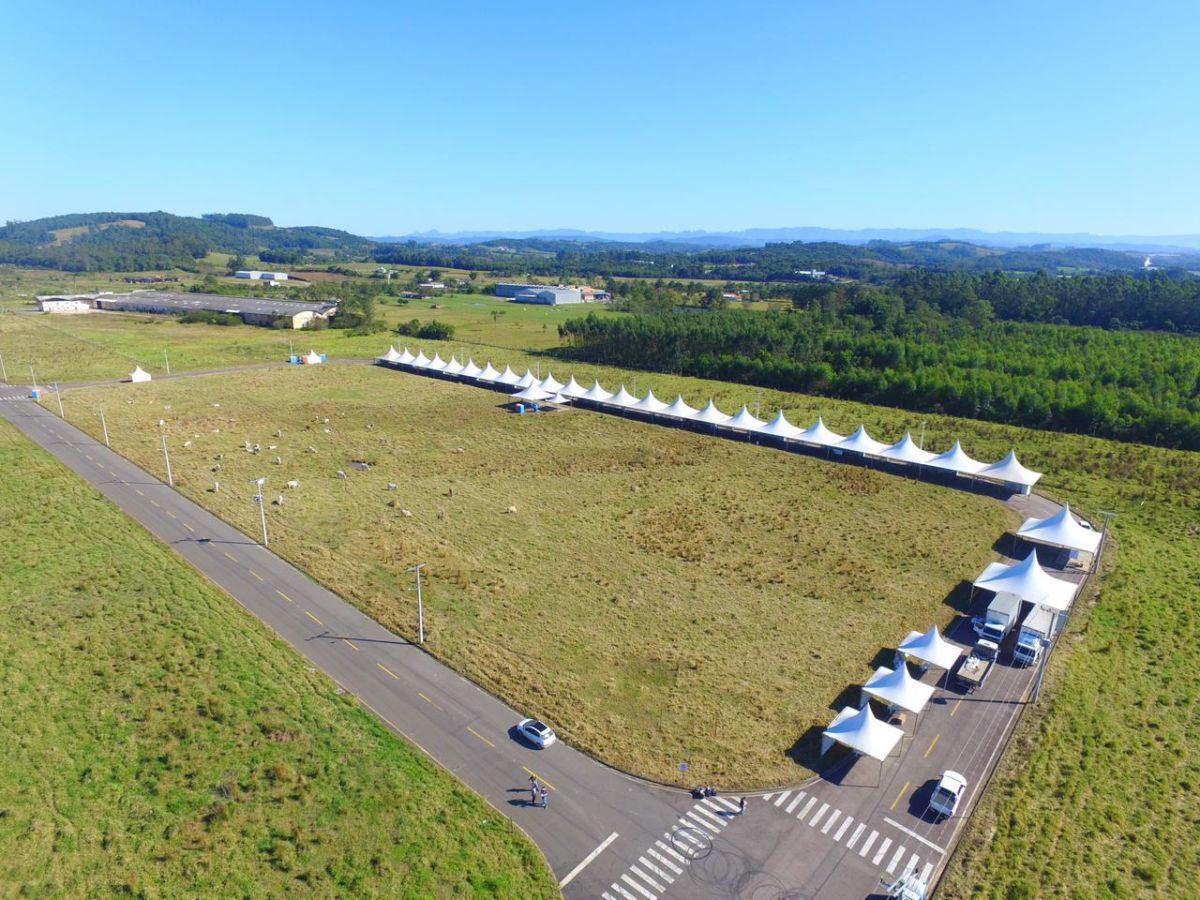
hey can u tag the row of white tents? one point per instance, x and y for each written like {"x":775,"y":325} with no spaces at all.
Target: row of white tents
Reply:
{"x":905,"y":452}
{"x":862,"y":731}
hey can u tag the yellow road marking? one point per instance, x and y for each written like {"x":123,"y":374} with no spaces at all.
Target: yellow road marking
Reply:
{"x":189,"y":527}
{"x":389,"y":671}
{"x":89,"y":456}
{"x":154,"y":503}
{"x":138,"y":491}
{"x":427,"y":700}
{"x":230,"y":556}
{"x":285,"y":596}
{"x":172,"y":515}
{"x":314,"y":618}
{"x":256,"y":575}
{"x":480,"y":736}
{"x":931,"y":744}
{"x":901,"y":794}
{"x":540,"y":778}
{"x":956,"y":706}
{"x":353,"y":646}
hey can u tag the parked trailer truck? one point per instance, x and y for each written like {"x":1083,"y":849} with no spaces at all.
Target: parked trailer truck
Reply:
{"x":1002,"y":614}
{"x":1035,"y":633}
{"x":974,"y":670}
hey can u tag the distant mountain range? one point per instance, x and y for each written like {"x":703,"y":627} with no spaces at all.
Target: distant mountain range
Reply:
{"x":757,"y":237}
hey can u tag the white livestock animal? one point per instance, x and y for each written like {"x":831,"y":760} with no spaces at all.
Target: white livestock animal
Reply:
{"x":293,"y":484}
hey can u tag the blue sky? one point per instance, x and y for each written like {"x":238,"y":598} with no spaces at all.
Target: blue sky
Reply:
{"x":390,"y":117}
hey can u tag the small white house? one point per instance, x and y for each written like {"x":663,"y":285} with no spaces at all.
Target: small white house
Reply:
{"x":68,"y":303}
{"x":255,"y":275}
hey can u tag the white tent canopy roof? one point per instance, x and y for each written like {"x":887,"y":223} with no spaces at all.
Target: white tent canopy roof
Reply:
{"x":898,"y":688}
{"x":489,"y":373}
{"x":1029,"y":581}
{"x":956,"y":460}
{"x":679,"y":409}
{"x":862,"y":732}
{"x":861,"y":442}
{"x":931,"y":648}
{"x":454,"y":367}
{"x":905,"y":450}
{"x":781,"y":427}
{"x":390,"y":356}
{"x":526,"y":380}
{"x":649,"y":403}
{"x":573,"y":389}
{"x":561,"y":399}
{"x":437,"y":363}
{"x":622,"y":398}
{"x":1060,"y":530}
{"x":406,"y":358}
{"x":820,"y":435}
{"x":712,"y":415}
{"x":745,"y":421}
{"x":550,"y":383}
{"x":597,"y":393}
{"x":139,"y":374}
{"x":1010,"y":471}
{"x":470,"y":370}
{"x":420,"y":361}
{"x":508,"y":376}
{"x":313,"y":358}
{"x":533,"y":393}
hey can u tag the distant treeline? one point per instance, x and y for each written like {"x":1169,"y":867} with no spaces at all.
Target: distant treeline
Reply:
{"x":1124,"y":385}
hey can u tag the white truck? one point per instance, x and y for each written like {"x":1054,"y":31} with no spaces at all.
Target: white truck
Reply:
{"x":1002,"y":614}
{"x":1035,"y":632}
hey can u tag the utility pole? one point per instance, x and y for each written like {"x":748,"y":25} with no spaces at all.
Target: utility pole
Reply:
{"x":34,"y":377}
{"x":758,"y":405}
{"x":167,"y":457}
{"x":1108,"y":516}
{"x":262,"y":507}
{"x":420,"y":606}
{"x":166,"y":361}
{"x":921,"y":443}
{"x":104,"y":425}
{"x":61,"y":414}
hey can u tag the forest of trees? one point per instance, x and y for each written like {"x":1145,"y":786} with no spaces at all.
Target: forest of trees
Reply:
{"x":869,"y":347}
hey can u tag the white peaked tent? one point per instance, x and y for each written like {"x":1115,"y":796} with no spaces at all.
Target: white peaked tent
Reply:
{"x":597,"y":393}
{"x":1060,"y":530}
{"x":406,"y":358}
{"x":896,"y":687}
{"x":549,"y":383}
{"x":745,"y":421}
{"x":573,"y":389}
{"x":930,"y":648}
{"x":649,"y":403}
{"x":861,"y":442}
{"x":437,"y":364}
{"x":955,"y":460}
{"x":454,"y":367}
{"x":489,"y":373}
{"x":711,"y":415}
{"x":508,"y":376}
{"x":420,"y":361}
{"x":621,"y":398}
{"x":862,"y":732}
{"x":781,"y":427}
{"x":820,"y":435}
{"x":1010,"y":471}
{"x":526,"y":380}
{"x":470,"y":370}
{"x":390,"y":356}
{"x":679,"y":409}
{"x":313,"y":358}
{"x":1029,"y":581}
{"x":533,"y":393}
{"x":561,"y":399}
{"x":906,"y":451}
{"x":139,"y":374}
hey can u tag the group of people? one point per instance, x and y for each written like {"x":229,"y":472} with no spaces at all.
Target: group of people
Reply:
{"x":538,"y":795}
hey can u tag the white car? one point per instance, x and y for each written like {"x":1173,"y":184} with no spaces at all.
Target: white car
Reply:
{"x":538,"y":733}
{"x":950,"y":789}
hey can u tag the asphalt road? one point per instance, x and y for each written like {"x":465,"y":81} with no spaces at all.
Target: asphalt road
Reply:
{"x":604,"y":834}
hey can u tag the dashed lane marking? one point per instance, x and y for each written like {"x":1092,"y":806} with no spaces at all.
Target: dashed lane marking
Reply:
{"x":230,"y":556}
{"x":154,"y":503}
{"x":540,"y":778}
{"x":285,"y":596}
{"x":389,"y":671}
{"x":900,"y":795}
{"x":314,"y":618}
{"x":430,"y":702}
{"x":932,"y":744}
{"x":256,"y":575}
{"x":353,"y":646}
{"x":138,"y":491}
{"x":189,"y":527}
{"x":172,"y":515}
{"x":956,"y":706}
{"x":490,"y":744}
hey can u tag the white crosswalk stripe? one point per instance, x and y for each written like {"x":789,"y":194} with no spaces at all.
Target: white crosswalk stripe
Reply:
{"x":854,"y":837}
{"x":820,"y":812}
{"x":666,"y":862}
{"x":783,"y":797}
{"x":833,"y":817}
{"x":883,"y":848}
{"x":646,"y":878}
{"x":926,"y":872}
{"x":655,"y":870}
{"x":842,"y":828}
{"x":707,"y":815}
{"x":812,"y":801}
{"x":913,"y":863}
{"x":637,"y":887}
{"x":896,"y":859}
{"x":691,"y":820}
{"x":796,"y":802}
{"x":624,"y":893}
{"x":866,"y":847}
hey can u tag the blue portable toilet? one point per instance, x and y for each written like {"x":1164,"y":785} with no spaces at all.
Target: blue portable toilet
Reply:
{"x":520,"y":409}
{"x":36,"y":393}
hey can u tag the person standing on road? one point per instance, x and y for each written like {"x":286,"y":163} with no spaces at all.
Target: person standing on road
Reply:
{"x":742,"y":807}
{"x":533,"y":791}
{"x":545,"y":798}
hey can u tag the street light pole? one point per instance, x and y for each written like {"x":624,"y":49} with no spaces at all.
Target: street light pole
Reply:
{"x":104,"y":425}
{"x":34,"y":377}
{"x":166,"y":361}
{"x":262,"y":507}
{"x":61,"y":414}
{"x":420,"y":605}
{"x":167,"y":457}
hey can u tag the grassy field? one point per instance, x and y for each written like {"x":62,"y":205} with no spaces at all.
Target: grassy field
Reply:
{"x":159,"y":742}
{"x":650,"y":583}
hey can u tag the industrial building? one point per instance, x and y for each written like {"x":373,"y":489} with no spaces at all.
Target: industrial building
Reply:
{"x":547,"y":295}
{"x":255,"y":275}
{"x":252,"y":310}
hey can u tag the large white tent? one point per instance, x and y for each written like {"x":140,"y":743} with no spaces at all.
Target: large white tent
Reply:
{"x":711,"y":415}
{"x":956,"y":460}
{"x":780,"y":427}
{"x":679,"y":409}
{"x":896,"y":687}
{"x":420,"y":361}
{"x":1029,"y":581}
{"x":1060,"y":530}
{"x":406,"y":358}
{"x":621,"y":398}
{"x":745,"y":421}
{"x":313,"y":358}
{"x":573,"y":388}
{"x":861,"y":442}
{"x":551,"y":384}
{"x":489,"y":373}
{"x":818,"y":434}
{"x":470,"y":370}
{"x":454,"y":367}
{"x":390,"y":356}
{"x":905,"y":450}
{"x":930,"y":648}
{"x":1010,"y":471}
{"x":509,"y":377}
{"x":139,"y":374}
{"x":649,"y":403}
{"x":862,"y":732}
{"x":532,"y":393}
{"x":597,"y":393}
{"x":437,"y":364}
{"x":526,"y":380}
